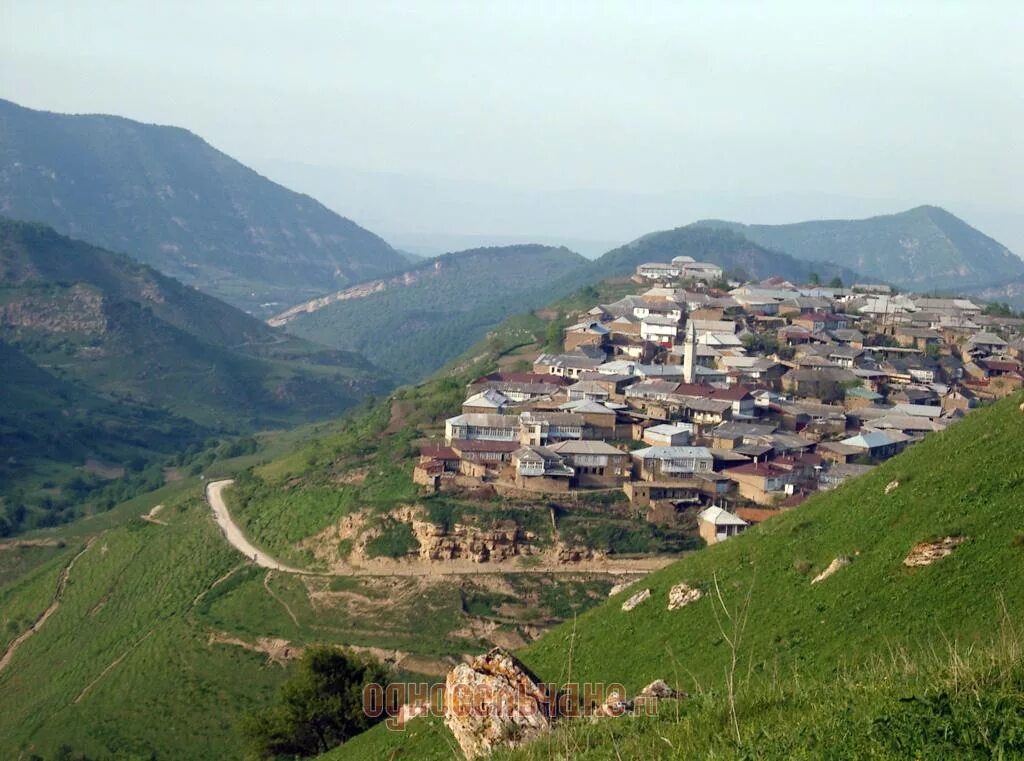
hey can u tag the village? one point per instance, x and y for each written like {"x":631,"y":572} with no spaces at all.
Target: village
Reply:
{"x":732,"y":400}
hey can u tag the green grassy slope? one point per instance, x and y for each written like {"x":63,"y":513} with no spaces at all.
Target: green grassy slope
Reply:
{"x":922,"y":248}
{"x":180,"y":205}
{"x":415,"y":323}
{"x":816,"y":663}
{"x":123,"y":667}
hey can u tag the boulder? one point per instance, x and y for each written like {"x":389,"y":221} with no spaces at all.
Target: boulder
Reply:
{"x":840,"y":562}
{"x":620,"y":586}
{"x":636,"y":599}
{"x":646,"y":699}
{"x":494,"y":701}
{"x":682,"y":595}
{"x":927,"y":553}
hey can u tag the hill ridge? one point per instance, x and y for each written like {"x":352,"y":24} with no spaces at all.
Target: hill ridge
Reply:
{"x":169,"y":197}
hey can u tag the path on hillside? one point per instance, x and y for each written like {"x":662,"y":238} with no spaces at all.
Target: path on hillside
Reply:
{"x":466,"y":567}
{"x":234,"y":535}
{"x":62,"y":583}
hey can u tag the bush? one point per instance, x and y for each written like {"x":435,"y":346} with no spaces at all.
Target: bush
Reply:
{"x":319,"y":708}
{"x":395,"y":541}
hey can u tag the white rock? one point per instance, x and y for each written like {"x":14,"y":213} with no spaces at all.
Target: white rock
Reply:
{"x":682,"y":595}
{"x":636,"y":599}
{"x":840,"y":562}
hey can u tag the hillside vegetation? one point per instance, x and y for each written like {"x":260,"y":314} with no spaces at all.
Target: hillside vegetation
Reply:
{"x":877,"y":660}
{"x":107,"y":359}
{"x":168,"y":197}
{"x":414,"y":323}
{"x":923,"y":248}
{"x":165,"y":637}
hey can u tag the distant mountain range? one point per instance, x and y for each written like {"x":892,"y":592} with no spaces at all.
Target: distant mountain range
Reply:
{"x":173,"y":201}
{"x":921,"y":249}
{"x":413,"y":323}
{"x":731,"y":250}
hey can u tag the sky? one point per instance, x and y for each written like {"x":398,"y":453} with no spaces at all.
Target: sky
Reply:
{"x":904,"y":102}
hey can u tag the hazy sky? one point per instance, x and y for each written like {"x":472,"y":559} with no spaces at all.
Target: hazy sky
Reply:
{"x":917,"y":100}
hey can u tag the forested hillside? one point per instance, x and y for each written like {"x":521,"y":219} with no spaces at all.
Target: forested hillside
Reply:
{"x":922,"y":249}
{"x":414,"y":323}
{"x":164,"y":195}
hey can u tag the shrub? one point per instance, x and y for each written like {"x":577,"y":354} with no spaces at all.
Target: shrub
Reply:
{"x":318,"y":709}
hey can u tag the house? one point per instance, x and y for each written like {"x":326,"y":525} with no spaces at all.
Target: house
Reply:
{"x":717,"y":525}
{"x":840,"y":474}
{"x":436,"y":464}
{"x":816,"y":322}
{"x":699,"y":270}
{"x":917,"y":338}
{"x":594,"y":463}
{"x":477,"y":457}
{"x":585,"y":334}
{"x":599,"y":420}
{"x":666,"y":463}
{"x":824,"y":383}
{"x":567,"y":365}
{"x":588,"y":391}
{"x":483,"y":426}
{"x":540,"y":428}
{"x":658,"y":271}
{"x":519,"y":387}
{"x":486,"y":402}
{"x":763,"y":483}
{"x":877,"y":445}
{"x":660,"y":330}
{"x":984,"y":343}
{"x":540,"y":469}
{"x":668,"y":435}
{"x":733,"y":435}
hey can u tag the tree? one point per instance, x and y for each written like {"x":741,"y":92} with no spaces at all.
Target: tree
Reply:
{"x":319,"y":708}
{"x":836,"y":282}
{"x":814,"y":278}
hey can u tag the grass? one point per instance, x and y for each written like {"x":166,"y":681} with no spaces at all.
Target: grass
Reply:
{"x":818,"y":665}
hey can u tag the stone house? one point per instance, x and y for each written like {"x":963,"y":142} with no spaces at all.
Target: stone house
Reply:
{"x":716,"y":525}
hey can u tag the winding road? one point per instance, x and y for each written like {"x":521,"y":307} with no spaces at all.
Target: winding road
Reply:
{"x":234,"y":535}
{"x":466,"y":567}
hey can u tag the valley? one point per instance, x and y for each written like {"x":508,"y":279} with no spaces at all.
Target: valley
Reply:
{"x":741,"y":488}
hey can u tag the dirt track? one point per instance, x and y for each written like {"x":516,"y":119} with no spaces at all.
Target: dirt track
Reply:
{"x":383,"y":567}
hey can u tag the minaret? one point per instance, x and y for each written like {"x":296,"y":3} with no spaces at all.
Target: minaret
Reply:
{"x":690,"y":353}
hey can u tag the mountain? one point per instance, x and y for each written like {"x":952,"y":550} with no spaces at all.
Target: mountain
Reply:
{"x":105,"y":354}
{"x":878,"y":660}
{"x":176,"y":203}
{"x":726,"y":248}
{"x":413,"y":323}
{"x":925,"y":248}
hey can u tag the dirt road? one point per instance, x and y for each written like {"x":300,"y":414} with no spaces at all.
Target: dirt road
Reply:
{"x":385,"y":567}
{"x":234,"y":535}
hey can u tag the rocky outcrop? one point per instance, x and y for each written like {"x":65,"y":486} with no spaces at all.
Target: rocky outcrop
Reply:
{"x":492,"y":545}
{"x":840,"y":562}
{"x":636,"y":599}
{"x":926,"y":553}
{"x":494,"y":701}
{"x":76,"y":310}
{"x":682,"y":595}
